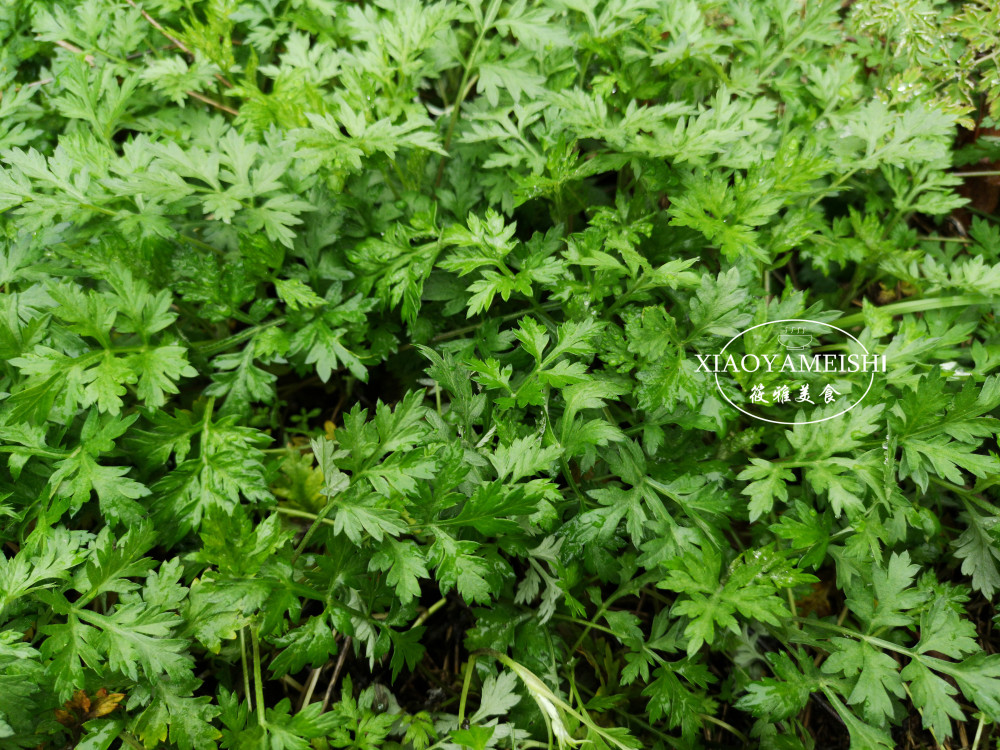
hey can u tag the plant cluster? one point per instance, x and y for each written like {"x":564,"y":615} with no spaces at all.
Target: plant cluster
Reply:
{"x":349,"y":376}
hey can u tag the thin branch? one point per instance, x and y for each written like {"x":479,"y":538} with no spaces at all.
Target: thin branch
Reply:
{"x":42,"y":82}
{"x":87,"y":58}
{"x":155,"y":24}
{"x":310,"y":687}
{"x":151,"y":50}
{"x":217,"y":105}
{"x":177,"y":42}
{"x":428,"y":612}
{"x":336,"y":673}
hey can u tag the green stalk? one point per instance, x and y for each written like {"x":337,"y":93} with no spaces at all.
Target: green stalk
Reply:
{"x":317,"y":520}
{"x":258,"y":685}
{"x":979,"y":733}
{"x":206,"y":428}
{"x":303,"y":514}
{"x":40,"y":452}
{"x":465,"y":689}
{"x":243,"y":662}
{"x":213,"y":346}
{"x":430,"y":611}
{"x":625,"y":589}
{"x":920,"y":305}
{"x":551,"y":705}
{"x":467,"y":82}
{"x":877,"y":642}
{"x":937,"y":742}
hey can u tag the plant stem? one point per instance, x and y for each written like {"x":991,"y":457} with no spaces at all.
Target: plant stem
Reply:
{"x":920,"y":305}
{"x":336,"y":673}
{"x":317,"y":520}
{"x":936,"y":238}
{"x":258,"y":685}
{"x":213,"y":346}
{"x":97,"y":209}
{"x":979,"y":733}
{"x":785,"y":52}
{"x":631,"y":587}
{"x":728,"y":727}
{"x":920,"y":711}
{"x":585,"y":623}
{"x":303,"y":514}
{"x":243,"y":661}
{"x":310,"y":687}
{"x":430,"y":611}
{"x":212,"y":102}
{"x":40,"y":452}
{"x":206,"y":427}
{"x":465,"y":689}
{"x":466,"y":85}
{"x":877,"y":642}
{"x":968,"y":497}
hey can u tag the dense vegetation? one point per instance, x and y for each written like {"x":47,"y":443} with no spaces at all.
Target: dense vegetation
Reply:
{"x":349,"y":379}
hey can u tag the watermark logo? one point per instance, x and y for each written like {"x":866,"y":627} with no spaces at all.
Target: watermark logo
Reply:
{"x":795,"y":337}
{"x":790,"y":371}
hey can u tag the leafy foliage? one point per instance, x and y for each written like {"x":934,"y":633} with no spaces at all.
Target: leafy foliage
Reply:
{"x":349,"y":393}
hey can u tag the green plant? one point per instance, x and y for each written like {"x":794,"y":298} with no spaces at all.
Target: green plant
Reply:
{"x":355,"y":344}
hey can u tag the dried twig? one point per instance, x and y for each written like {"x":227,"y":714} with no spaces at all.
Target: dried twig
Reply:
{"x":336,"y":673}
{"x":177,"y":42}
{"x":87,"y":58}
{"x":193,"y":94}
{"x":42,"y":82}
{"x":156,"y":25}
{"x":217,"y":105}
